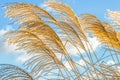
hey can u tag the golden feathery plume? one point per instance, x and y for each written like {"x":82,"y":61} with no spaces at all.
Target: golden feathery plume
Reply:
{"x":34,"y":36}
{"x":32,"y":44}
{"x":114,"y":16}
{"x":26,"y":12}
{"x":68,"y":16}
{"x":103,"y":31}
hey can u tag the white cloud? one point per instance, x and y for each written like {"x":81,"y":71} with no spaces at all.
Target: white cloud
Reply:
{"x":49,"y":0}
{"x":67,"y":65}
{"x":110,"y":62}
{"x":94,"y":42}
{"x":6,"y":47}
{"x":10,"y":48}
{"x":73,"y":51}
{"x":23,"y":57}
{"x":82,"y":62}
{"x":2,"y":32}
{"x":46,"y":7}
{"x":118,"y":68}
{"x":7,"y":29}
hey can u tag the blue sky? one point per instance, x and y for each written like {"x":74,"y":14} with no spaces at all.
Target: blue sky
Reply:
{"x":96,"y":7}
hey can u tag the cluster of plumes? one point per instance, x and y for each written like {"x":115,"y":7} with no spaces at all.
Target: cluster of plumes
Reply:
{"x":102,"y":30}
{"x":37,"y":37}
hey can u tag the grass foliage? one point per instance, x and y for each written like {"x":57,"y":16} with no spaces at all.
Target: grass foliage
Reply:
{"x":48,"y":48}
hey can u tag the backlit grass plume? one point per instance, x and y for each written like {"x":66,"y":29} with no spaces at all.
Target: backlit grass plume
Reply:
{"x":34,"y":36}
{"x":103,"y":31}
{"x":49,"y":47}
{"x":114,"y":16}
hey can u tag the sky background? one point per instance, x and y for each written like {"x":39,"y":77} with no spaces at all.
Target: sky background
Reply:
{"x":96,"y":7}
